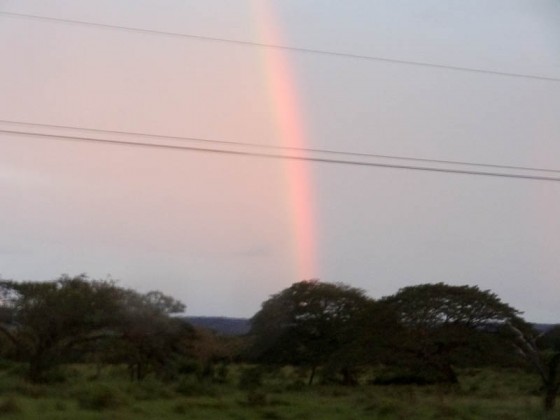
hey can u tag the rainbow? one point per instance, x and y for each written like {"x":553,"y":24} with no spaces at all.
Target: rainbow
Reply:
{"x":283,"y":97}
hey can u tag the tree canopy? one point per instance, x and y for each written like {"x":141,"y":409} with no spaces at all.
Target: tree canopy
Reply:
{"x":46,"y":321}
{"x":441,"y":321}
{"x":307,"y":323}
{"x":435,"y":305}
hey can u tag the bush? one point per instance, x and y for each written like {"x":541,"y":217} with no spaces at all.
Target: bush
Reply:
{"x":188,"y":366}
{"x":60,"y":406}
{"x":101,"y":397}
{"x":10,"y":406}
{"x":149,"y":389}
{"x":251,"y":378}
{"x":181,"y":408}
{"x":30,"y":390}
{"x":419,"y":377}
{"x":297,"y":385}
{"x":54,"y":375}
{"x":6,"y":364}
{"x":271,"y":415}
{"x":222,"y":373}
{"x":188,"y":388}
{"x":256,"y":399}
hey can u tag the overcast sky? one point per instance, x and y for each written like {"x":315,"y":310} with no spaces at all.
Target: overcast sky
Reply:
{"x":224,"y":232}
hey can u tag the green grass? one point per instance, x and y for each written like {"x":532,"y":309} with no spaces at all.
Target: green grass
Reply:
{"x":482,"y":394}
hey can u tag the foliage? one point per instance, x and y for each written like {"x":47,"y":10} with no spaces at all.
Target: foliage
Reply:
{"x":307,"y":323}
{"x":100,"y":397}
{"x":485,"y":394}
{"x":209,"y":346}
{"x":429,"y":306}
{"x":49,"y":323}
{"x":45,"y":321}
{"x":83,"y":335}
{"x":440,"y":322}
{"x":251,"y":378}
{"x":148,"y":337}
{"x":542,"y":352}
{"x":9,"y":405}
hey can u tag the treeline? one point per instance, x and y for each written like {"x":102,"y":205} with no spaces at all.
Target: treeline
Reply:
{"x":420,"y":335}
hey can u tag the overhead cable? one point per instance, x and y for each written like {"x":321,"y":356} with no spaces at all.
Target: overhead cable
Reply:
{"x":281,"y":47}
{"x":58,"y":137}
{"x":273,"y":147}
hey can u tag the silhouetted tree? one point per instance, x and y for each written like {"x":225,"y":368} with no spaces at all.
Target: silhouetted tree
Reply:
{"x":439,"y":320}
{"x":45,"y":321}
{"x":542,"y":352}
{"x":49,"y":323}
{"x":149,"y":337}
{"x":307,"y":324}
{"x":370,"y":340}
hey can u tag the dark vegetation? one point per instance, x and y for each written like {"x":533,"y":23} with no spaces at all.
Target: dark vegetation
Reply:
{"x":89,"y":338}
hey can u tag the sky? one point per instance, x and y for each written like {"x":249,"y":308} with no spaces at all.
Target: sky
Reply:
{"x":223,"y":232}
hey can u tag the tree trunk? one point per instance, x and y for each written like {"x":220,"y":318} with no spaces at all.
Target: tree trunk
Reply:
{"x":35,"y":371}
{"x":38,"y":365}
{"x":131,"y":371}
{"x":312,"y":375}
{"x":550,"y":397}
{"x":551,"y":385}
{"x":450,"y":375}
{"x":142,"y":371}
{"x":348,"y":378}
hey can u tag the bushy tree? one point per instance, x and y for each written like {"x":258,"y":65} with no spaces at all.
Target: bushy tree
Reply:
{"x":49,"y":323}
{"x":307,"y":324}
{"x":148,"y":337}
{"x":439,"y":320}
{"x":45,"y":321}
{"x":429,"y":306}
{"x":370,"y":340}
{"x":542,"y":352}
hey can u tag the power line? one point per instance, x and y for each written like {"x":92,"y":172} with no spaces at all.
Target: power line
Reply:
{"x":273,"y":156}
{"x":272,"y":147}
{"x":282,"y":47}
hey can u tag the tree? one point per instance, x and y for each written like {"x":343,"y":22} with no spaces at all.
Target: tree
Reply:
{"x":48,"y":323}
{"x":45,"y":321}
{"x":542,"y":352}
{"x":370,"y":340}
{"x":147,"y":336}
{"x":210,"y":349}
{"x":439,"y":320}
{"x":307,"y":324}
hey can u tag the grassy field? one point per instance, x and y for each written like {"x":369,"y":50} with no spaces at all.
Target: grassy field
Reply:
{"x":482,"y":394}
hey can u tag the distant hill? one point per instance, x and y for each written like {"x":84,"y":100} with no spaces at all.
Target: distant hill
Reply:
{"x":221,"y":324}
{"x":240,"y":326}
{"x":544,"y":327}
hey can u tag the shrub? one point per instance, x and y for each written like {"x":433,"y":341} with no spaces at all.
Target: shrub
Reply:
{"x":30,"y":390}
{"x":271,"y":415}
{"x":100,"y":397}
{"x":60,"y":406}
{"x":222,"y":373}
{"x":256,"y":398}
{"x":6,"y":364}
{"x":188,"y":388}
{"x":149,"y":389}
{"x":251,"y":378}
{"x":188,"y":366}
{"x":181,"y":408}
{"x":297,"y":385}
{"x":10,"y":406}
